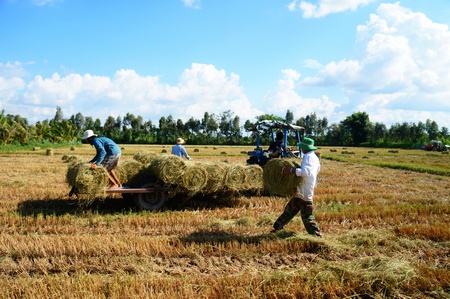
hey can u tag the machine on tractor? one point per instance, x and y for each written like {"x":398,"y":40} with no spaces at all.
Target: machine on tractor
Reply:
{"x":261,"y":156}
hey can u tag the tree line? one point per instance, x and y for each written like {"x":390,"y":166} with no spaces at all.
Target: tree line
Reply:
{"x":217,"y":129}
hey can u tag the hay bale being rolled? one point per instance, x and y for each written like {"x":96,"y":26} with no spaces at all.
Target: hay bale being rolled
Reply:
{"x":253,"y":177}
{"x":168,"y":168}
{"x":194,"y":178}
{"x":278,"y":183}
{"x":90,"y":183}
{"x":216,"y":176}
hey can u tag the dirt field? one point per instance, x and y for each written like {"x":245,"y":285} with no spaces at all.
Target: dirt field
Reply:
{"x":386,"y":234}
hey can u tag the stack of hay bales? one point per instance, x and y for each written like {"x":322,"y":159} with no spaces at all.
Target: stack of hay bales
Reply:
{"x":188,"y":177}
{"x":278,"y":183}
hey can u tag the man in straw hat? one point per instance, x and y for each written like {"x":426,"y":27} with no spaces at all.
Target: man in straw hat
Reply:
{"x":303,"y":201}
{"x":179,"y":150}
{"x":108,"y":155}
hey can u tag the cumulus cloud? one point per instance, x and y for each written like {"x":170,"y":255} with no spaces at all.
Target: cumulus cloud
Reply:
{"x":326,"y":7}
{"x":400,"y":71}
{"x":286,"y":96}
{"x":201,"y":88}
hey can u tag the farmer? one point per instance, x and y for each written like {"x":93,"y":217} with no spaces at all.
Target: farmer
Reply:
{"x":277,"y":147}
{"x":179,"y":150}
{"x":108,"y":155}
{"x":303,"y":201}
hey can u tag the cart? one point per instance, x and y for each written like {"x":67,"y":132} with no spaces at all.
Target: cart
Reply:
{"x":149,"y":196}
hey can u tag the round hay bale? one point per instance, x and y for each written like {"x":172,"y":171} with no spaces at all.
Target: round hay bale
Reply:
{"x":90,"y":183}
{"x":216,"y":176}
{"x":145,"y":157}
{"x":278,"y":183}
{"x":235,"y":177}
{"x":194,"y":178}
{"x":49,"y":152}
{"x":36,"y":148}
{"x":223,"y":153}
{"x":168,"y":168}
{"x":72,"y":148}
{"x":164,"y":151}
{"x":253,"y":177}
{"x":196,"y":150}
{"x":127,"y":171}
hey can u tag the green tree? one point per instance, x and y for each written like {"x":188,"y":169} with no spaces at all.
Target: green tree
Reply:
{"x":359,"y":127}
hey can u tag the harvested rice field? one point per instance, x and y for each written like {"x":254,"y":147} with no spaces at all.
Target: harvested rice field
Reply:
{"x":385,"y":217}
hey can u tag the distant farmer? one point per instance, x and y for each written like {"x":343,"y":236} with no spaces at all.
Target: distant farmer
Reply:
{"x":108,"y":155}
{"x":303,"y":201}
{"x":277,"y":147}
{"x":179,"y":150}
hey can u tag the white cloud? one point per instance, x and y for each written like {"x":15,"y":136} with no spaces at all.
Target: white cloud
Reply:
{"x":401,"y":69}
{"x":326,"y":7}
{"x":192,"y":3}
{"x":285,"y":97}
{"x":200,"y":89}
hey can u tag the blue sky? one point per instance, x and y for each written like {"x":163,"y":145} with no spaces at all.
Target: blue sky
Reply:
{"x":187,"y":57}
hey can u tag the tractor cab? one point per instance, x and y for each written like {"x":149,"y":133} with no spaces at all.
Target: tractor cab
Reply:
{"x":270,"y":128}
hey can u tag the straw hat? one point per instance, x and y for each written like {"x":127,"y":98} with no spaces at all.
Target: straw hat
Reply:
{"x":87,"y":134}
{"x":180,"y":140}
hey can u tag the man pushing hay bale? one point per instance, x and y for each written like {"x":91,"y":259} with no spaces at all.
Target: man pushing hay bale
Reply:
{"x":278,"y":183}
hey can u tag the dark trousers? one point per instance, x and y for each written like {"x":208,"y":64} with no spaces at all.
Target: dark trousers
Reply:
{"x":306,"y":210}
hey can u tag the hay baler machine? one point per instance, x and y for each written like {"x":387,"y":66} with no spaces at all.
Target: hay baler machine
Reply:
{"x":268,"y":129}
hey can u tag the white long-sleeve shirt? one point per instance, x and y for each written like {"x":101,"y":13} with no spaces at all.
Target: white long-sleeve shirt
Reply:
{"x":309,"y":170}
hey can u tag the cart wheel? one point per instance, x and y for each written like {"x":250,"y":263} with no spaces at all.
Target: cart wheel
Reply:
{"x":151,"y":201}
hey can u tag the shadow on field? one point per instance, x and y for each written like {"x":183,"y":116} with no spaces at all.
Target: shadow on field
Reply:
{"x":58,"y":207}
{"x":113,"y":205}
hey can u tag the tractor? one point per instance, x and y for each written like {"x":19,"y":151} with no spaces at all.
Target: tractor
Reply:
{"x":261,"y":156}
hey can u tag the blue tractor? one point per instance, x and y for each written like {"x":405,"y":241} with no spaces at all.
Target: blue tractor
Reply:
{"x":273,"y":128}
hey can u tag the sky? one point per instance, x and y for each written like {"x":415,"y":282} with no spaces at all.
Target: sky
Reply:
{"x":155,"y":58}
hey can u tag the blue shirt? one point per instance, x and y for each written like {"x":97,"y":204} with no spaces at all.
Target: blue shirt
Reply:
{"x":105,"y":147}
{"x":180,"y":151}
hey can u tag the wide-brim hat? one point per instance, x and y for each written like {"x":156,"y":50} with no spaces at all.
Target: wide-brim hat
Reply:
{"x":87,"y":134}
{"x":307,"y":144}
{"x":180,"y":140}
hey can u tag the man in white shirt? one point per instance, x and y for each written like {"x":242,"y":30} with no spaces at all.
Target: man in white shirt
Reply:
{"x":303,"y":200}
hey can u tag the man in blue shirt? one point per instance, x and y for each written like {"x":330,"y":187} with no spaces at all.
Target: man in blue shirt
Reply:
{"x":108,"y":155}
{"x":179,"y":150}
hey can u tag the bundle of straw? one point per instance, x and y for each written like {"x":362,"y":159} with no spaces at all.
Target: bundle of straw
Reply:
{"x":168,"y":168}
{"x":216,"y":177}
{"x":194,"y":178}
{"x":235,"y":177}
{"x":127,"y":171}
{"x":278,"y":183}
{"x":90,"y":183}
{"x":145,"y":157}
{"x":253,"y":178}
